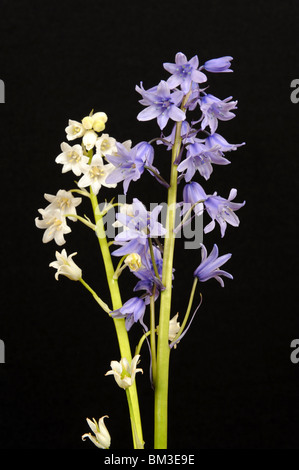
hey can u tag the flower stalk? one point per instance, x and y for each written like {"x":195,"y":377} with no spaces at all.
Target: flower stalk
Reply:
{"x":119,"y":323}
{"x":163,"y":350}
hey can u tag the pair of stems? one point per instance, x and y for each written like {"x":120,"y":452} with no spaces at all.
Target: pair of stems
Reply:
{"x":161,"y":353}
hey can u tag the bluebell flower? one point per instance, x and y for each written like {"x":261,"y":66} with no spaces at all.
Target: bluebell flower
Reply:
{"x":129,"y":163}
{"x":192,"y":194}
{"x":209,"y":266}
{"x":133,"y":311}
{"x":222,"y":211}
{"x":138,"y":227}
{"x":187,"y":135}
{"x":218,"y":140}
{"x":200,"y":158}
{"x":149,"y":282}
{"x":184,"y":72}
{"x":221,"y":64}
{"x":161,"y":104}
{"x":214,"y":109}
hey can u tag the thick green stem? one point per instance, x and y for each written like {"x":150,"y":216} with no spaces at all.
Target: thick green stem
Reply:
{"x":122,"y":334}
{"x":163,"y":351}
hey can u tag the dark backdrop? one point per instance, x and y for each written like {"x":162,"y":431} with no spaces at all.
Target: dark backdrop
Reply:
{"x":233,"y":385}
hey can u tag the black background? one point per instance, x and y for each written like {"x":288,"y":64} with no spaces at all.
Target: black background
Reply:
{"x":232,"y":383}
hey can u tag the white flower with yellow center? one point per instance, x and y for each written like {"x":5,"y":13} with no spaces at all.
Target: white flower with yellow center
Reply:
{"x":101,"y":437}
{"x":106,"y":145}
{"x":74,"y":130}
{"x":123,"y":372}
{"x":66,"y":266}
{"x":71,"y":158}
{"x":64,"y":201}
{"x":95,"y":174}
{"x":54,"y":224}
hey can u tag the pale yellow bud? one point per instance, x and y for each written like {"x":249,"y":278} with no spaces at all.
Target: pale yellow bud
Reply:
{"x":98,"y":125}
{"x":101,"y":116}
{"x":133,"y":261}
{"x":87,"y":122}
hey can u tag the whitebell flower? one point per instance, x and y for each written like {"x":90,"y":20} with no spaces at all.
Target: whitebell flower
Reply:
{"x":71,"y":158}
{"x":66,"y":266}
{"x":123,"y":372}
{"x":89,"y":139}
{"x":95,"y":174}
{"x":101,"y":437}
{"x":174,"y":328}
{"x":64,"y":201}
{"x":54,"y":224}
{"x":106,"y":145}
{"x":74,"y":130}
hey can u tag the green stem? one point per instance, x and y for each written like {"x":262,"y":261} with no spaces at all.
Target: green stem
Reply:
{"x":187,"y":312}
{"x":163,"y":350}
{"x":95,"y":296}
{"x":153,"y":336}
{"x":122,"y":334}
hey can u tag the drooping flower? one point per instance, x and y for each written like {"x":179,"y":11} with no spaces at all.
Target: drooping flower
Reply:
{"x":200,"y":158}
{"x":209,"y":266}
{"x":64,"y":201}
{"x":221,"y":64}
{"x":66,"y":266}
{"x":101,"y":437}
{"x":89,"y":139}
{"x":214,"y":109}
{"x":133,"y":261}
{"x":148,"y":275}
{"x":71,"y":158}
{"x":139,"y":226}
{"x":124,"y":373}
{"x":54,"y":224}
{"x":193,"y":194}
{"x":184,"y":72}
{"x":132,"y":310}
{"x":222,"y":211}
{"x":95,"y":174}
{"x":129,"y":163}
{"x":74,"y":130}
{"x":220,"y":144}
{"x":161,"y":104}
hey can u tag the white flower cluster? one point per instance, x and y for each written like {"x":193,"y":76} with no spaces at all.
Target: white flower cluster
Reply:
{"x":75,"y":158}
{"x":54,"y":216}
{"x":92,"y":171}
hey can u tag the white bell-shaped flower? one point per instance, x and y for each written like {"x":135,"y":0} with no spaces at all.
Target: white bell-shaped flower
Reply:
{"x":123,"y":372}
{"x":101,"y":437}
{"x":66,"y":266}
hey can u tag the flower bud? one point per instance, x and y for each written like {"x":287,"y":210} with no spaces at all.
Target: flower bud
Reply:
{"x":133,"y":261}
{"x":87,"y":122}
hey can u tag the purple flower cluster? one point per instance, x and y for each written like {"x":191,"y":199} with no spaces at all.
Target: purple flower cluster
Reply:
{"x":202,"y":147}
{"x":140,"y":229}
